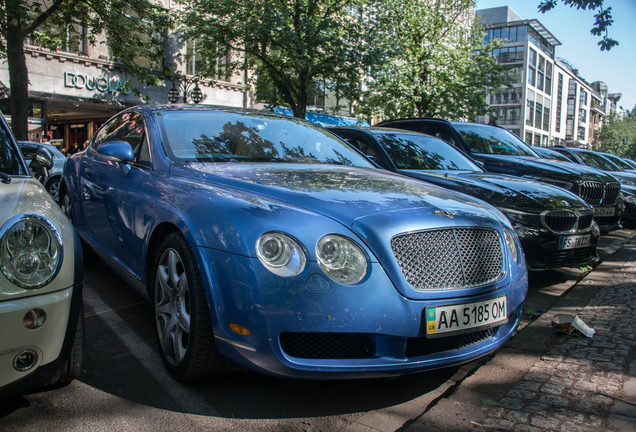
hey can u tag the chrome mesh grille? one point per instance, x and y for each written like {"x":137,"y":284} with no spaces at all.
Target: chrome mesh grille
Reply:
{"x":449,"y":258}
{"x":560,"y":220}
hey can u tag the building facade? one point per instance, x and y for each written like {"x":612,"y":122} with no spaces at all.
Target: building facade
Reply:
{"x":71,"y":95}
{"x":550,"y":103}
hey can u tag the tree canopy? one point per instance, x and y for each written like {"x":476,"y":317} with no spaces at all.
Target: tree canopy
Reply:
{"x":131,"y":29}
{"x":603,"y":18}
{"x":292,"y":49}
{"x":618,"y":135}
{"x":429,"y":61}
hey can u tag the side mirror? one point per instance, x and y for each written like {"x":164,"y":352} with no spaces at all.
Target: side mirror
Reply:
{"x":116,"y":151}
{"x":42,"y":163}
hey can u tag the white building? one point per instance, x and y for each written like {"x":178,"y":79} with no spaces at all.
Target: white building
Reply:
{"x":550,"y":104}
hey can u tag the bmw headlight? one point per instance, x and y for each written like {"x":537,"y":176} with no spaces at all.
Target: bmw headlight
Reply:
{"x":280,"y":254}
{"x":629,"y":198}
{"x":512,"y":244}
{"x":31,"y":251}
{"x":341,"y":259}
{"x":628,"y":182}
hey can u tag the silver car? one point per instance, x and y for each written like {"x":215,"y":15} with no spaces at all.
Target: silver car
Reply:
{"x":52,"y":181}
{"x":41,"y":280}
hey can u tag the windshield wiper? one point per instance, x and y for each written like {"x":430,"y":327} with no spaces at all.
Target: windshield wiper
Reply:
{"x":5,"y":178}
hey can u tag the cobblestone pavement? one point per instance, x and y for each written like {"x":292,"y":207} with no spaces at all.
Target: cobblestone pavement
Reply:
{"x":548,"y":382}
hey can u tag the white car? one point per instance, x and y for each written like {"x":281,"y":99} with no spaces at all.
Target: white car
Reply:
{"x":41,"y":280}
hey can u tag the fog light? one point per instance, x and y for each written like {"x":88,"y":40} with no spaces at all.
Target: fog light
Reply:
{"x":34,"y":319}
{"x":25,"y":360}
{"x":239,"y":329}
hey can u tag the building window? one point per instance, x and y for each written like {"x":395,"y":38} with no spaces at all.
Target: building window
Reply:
{"x":541,"y":73}
{"x":529,"y":112}
{"x":529,"y":138}
{"x":509,"y":54}
{"x":537,"y":140}
{"x":582,"y":115}
{"x":581,"y":133}
{"x":548,"y":78}
{"x":569,"y":128}
{"x":197,"y":61}
{"x":538,"y":115}
{"x":583,"y":97}
{"x":532,"y":67}
{"x":559,"y":103}
{"x":546,"y":119}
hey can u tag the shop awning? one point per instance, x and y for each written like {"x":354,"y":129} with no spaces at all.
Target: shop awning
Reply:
{"x":324,"y":120}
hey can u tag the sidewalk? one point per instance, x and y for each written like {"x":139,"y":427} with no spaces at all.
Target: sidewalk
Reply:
{"x":542,"y":381}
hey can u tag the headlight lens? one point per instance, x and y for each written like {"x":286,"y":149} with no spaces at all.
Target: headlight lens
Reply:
{"x":628,"y":182}
{"x":512,"y":244}
{"x":31,"y":252}
{"x":341,"y":259}
{"x":280,"y":254}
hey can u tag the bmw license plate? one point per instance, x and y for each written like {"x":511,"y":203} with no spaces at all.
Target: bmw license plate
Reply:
{"x":573,"y":242}
{"x":463,"y":318}
{"x":603,"y":211}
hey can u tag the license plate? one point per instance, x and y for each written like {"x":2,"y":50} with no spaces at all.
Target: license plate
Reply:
{"x":603,"y":211}
{"x":461,"y":318}
{"x":573,"y":242}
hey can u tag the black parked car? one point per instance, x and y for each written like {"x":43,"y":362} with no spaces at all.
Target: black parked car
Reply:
{"x":503,"y":152}
{"x":600,"y":161}
{"x":548,"y":153}
{"x":555,"y":226}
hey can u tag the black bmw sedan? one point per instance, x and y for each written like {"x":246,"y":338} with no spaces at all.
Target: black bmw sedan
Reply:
{"x":555,"y":227}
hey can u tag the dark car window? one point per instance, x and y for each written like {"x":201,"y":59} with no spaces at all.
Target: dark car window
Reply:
{"x":493,"y":140}
{"x":550,"y":154}
{"x":597,"y":161}
{"x":438,"y":131}
{"x":251,"y":137}
{"x":9,"y":157}
{"x":407,"y":125}
{"x":618,"y":162}
{"x":570,"y":157}
{"x":128,"y":126}
{"x":419,"y":152}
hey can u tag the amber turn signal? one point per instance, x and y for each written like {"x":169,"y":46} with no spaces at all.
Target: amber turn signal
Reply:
{"x":239,"y":329}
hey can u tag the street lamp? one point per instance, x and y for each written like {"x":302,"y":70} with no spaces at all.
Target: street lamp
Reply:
{"x":182,"y":86}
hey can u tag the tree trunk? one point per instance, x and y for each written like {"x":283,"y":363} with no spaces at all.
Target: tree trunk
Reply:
{"x":18,"y":73}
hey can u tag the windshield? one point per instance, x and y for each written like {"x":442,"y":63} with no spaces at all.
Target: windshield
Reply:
{"x":213,"y":136}
{"x":549,"y":154}
{"x":413,"y":152}
{"x":619,"y":162}
{"x":493,"y":140}
{"x":9,"y":157}
{"x":597,"y":161}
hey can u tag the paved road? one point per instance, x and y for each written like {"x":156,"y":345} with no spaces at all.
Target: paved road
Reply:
{"x":124,"y":385}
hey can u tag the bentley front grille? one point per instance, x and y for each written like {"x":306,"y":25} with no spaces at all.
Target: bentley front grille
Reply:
{"x":449,"y":258}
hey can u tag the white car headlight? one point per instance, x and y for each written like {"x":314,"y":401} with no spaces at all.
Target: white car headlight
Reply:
{"x":31,"y":251}
{"x":280,"y":254}
{"x":512,"y":244}
{"x":341,"y":259}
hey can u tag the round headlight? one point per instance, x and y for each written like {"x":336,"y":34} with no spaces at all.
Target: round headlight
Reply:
{"x":31,"y":251}
{"x":280,"y":254}
{"x":341,"y":259}
{"x":512,"y":245}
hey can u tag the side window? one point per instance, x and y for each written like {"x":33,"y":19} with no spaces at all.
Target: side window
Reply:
{"x":439,"y":132}
{"x":406,"y":125}
{"x":143,"y":156}
{"x":569,"y":156}
{"x":125,"y":127}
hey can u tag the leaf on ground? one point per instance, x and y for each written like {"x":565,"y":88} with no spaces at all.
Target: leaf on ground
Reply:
{"x":490,"y":402}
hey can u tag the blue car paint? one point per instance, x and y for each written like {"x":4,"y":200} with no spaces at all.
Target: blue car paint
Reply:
{"x":222,"y":209}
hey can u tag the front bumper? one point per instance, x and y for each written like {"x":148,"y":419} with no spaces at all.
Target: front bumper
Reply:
{"x":541,"y":248}
{"x":311,"y":309}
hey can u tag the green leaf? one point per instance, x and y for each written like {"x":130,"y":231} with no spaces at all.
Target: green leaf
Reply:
{"x":490,"y":402}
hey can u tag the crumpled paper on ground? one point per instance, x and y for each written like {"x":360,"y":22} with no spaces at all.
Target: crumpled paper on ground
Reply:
{"x":565,"y":324}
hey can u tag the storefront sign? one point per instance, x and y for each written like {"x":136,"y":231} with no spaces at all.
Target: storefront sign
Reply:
{"x":77,"y":126}
{"x":101,"y":84}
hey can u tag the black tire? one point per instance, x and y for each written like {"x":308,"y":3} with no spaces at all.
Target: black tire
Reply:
{"x":73,"y":366}
{"x":184,"y":330}
{"x":53,"y":187}
{"x":88,"y":255}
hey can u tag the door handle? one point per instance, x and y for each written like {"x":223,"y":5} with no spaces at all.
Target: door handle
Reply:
{"x":89,"y":172}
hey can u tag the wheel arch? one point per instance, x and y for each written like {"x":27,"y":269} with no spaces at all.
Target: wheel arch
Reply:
{"x":160,"y":232}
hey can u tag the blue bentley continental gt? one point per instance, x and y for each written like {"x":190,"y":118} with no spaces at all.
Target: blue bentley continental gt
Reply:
{"x":267,"y":243}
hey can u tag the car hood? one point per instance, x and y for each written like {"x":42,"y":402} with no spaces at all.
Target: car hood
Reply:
{"x":502,"y":190}
{"x":535,"y":167}
{"x":339,"y":192}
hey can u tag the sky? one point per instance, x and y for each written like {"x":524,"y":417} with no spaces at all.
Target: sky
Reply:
{"x":616,"y":68}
